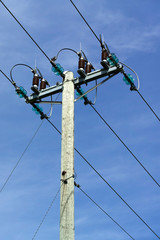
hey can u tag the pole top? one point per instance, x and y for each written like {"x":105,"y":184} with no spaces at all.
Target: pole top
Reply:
{"x":68,"y":76}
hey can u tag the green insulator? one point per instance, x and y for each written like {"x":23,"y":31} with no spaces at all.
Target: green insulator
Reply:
{"x":126,"y":80}
{"x":58,"y":70}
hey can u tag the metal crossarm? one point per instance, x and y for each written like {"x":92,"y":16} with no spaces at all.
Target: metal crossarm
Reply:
{"x":77,"y":82}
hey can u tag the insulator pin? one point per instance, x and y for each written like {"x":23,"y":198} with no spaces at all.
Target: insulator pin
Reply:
{"x":88,"y":68}
{"x":43,"y":84}
{"x":35,"y":81}
{"x":104,"y":54}
{"x":81,"y":63}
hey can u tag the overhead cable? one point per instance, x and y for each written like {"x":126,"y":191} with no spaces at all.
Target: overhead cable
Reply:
{"x":125,"y":146}
{"x":86,"y":22}
{"x":116,"y":193}
{"x":91,"y":89}
{"x":133,"y":72}
{"x":148,"y":105}
{"x":54,"y":66}
{"x":19,"y":64}
{"x":109,"y":185}
{"x":28,"y":145}
{"x":12,"y":82}
{"x":65,"y":49}
{"x":49,"y":208}
{"x":96,"y":204}
{"x":16,"y":165}
{"x":25,"y":30}
{"x":137,"y":90}
{"x":103,"y":44}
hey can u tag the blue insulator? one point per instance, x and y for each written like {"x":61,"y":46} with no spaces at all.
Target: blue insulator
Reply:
{"x":58,"y":70}
{"x":131,"y":78}
{"x":22,"y":93}
{"x":41,"y":109}
{"x":78,"y":94}
{"x":126,"y":80}
{"x":81,"y":92}
{"x":113,"y":60}
{"x":36,"y":109}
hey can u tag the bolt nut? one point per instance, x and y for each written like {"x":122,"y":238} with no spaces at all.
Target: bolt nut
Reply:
{"x":63,"y":173}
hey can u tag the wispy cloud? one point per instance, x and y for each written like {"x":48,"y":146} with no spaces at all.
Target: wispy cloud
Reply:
{"x":128,"y":33}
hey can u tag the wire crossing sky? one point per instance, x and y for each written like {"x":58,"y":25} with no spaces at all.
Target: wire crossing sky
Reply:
{"x":125,"y":146}
{"x":17,"y":163}
{"x":25,"y":30}
{"x":78,"y":186}
{"x":36,"y":178}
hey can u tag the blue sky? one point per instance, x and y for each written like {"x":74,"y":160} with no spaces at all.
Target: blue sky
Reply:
{"x":132,"y":31}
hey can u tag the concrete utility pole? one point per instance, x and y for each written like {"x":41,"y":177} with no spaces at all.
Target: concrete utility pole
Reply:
{"x":67,"y":160}
{"x":67,"y":151}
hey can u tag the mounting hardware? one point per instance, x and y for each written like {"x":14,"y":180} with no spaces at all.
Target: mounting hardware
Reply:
{"x":63,"y":173}
{"x":65,"y":181}
{"x":81,"y":67}
{"x":81,"y":72}
{"x":104,"y":64}
{"x":43,"y":84}
{"x":88,"y":67}
{"x":35,"y":89}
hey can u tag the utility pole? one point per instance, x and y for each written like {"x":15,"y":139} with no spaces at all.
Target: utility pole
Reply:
{"x":67,"y":228}
{"x":67,"y":160}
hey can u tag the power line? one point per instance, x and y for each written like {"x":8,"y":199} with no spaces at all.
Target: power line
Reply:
{"x":54,"y":126}
{"x":65,"y":49}
{"x":7,"y":77}
{"x":109,"y":186}
{"x":133,"y":72}
{"x":116,"y":193}
{"x":16,"y":165}
{"x":102,"y":45}
{"x":125,"y":145}
{"x":49,"y":208}
{"x":19,"y":64}
{"x":148,"y":105}
{"x":86,"y":22}
{"x":137,"y":89}
{"x":96,"y":204}
{"x":31,"y":140}
{"x":25,"y":31}
{"x":50,"y":60}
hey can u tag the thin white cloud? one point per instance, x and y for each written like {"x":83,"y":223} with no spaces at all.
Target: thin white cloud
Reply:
{"x":121,"y":36}
{"x":142,"y":39}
